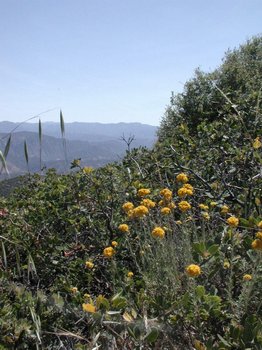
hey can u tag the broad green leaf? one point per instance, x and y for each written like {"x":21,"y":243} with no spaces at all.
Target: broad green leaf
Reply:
{"x":200,"y":291}
{"x":213,"y":249}
{"x":152,"y":336}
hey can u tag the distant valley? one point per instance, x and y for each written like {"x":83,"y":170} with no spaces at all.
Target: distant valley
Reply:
{"x":95,"y":143}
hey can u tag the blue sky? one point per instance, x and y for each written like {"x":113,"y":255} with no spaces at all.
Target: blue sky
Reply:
{"x":111,"y":60}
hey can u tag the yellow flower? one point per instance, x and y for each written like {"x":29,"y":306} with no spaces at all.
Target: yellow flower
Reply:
{"x":257,"y":244}
{"x":88,"y":308}
{"x":203,"y":206}
{"x":166,"y":193}
{"x":161,"y":203}
{"x":259,"y":235}
{"x":226,"y":264}
{"x":87,"y":169}
{"x":165,"y":211}
{"x":199,"y":346}
{"x":148,"y":203}
{"x":184,"y":206}
{"x":257,"y":144}
{"x":259,"y":225}
{"x":127,"y":206}
{"x":213,"y":204}
{"x":188,"y":187}
{"x":224,"y":209}
{"x":205,"y":215}
{"x":74,"y":290}
{"x":182,"y":192}
{"x":182,"y":177}
{"x":233,"y":221}
{"x":171,"y":205}
{"x":130,"y":274}
{"x":123,"y":228}
{"x":158,"y":232}
{"x":114,"y":244}
{"x":139,"y":211}
{"x":143,"y":192}
{"x":247,"y":277}
{"x":87,"y":296}
{"x":89,"y":264}
{"x":178,"y":222}
{"x":108,"y":252}
{"x":193,"y":270}
{"x":186,"y":190}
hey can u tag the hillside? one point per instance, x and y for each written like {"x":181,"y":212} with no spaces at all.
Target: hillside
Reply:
{"x":162,"y":250}
{"x":96,"y":144}
{"x":87,"y":131}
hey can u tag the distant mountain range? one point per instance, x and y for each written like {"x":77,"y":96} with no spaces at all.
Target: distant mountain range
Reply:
{"x":95,"y":143}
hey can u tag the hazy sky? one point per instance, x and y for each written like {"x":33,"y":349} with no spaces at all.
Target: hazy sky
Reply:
{"x":111,"y":60}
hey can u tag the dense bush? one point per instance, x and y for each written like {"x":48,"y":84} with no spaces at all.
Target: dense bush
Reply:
{"x":162,"y":251}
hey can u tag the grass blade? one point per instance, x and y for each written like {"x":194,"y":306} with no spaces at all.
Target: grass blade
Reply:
{"x":4,"y":255}
{"x":2,"y":160}
{"x":62,"y":124}
{"x":7,"y":146}
{"x":62,"y":128}
{"x":40,"y":143}
{"x":26,"y":155}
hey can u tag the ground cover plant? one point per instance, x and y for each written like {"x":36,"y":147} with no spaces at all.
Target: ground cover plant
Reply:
{"x":160,"y":251}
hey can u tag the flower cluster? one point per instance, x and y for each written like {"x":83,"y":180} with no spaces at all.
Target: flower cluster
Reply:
{"x":203,"y":207}
{"x":165,"y":211}
{"x":233,"y":221}
{"x":158,"y":232}
{"x":108,"y":252}
{"x":123,"y":228}
{"x":247,"y":277}
{"x":186,"y":190}
{"x":127,"y":207}
{"x":88,"y":169}
{"x":148,"y":203}
{"x":224,"y":209}
{"x":142,"y":192}
{"x":88,"y":307}
{"x":193,"y":270}
{"x":89,"y":265}
{"x":138,"y":212}
{"x":166,"y":193}
{"x":184,"y":206}
{"x":182,"y":177}
{"x":257,"y":144}
{"x":257,"y":244}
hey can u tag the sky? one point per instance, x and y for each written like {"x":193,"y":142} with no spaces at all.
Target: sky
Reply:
{"x":112,"y":61}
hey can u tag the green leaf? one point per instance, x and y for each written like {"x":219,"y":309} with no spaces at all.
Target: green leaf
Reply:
{"x":200,"y":291}
{"x":199,"y":247}
{"x":213,"y":249}
{"x":119,"y":303}
{"x":224,"y":341}
{"x":152,"y":335}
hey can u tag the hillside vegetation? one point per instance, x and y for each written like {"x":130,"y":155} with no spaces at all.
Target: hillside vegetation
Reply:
{"x":160,"y":251}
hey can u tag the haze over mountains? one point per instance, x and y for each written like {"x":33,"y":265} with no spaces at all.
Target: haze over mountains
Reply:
{"x":95,"y":143}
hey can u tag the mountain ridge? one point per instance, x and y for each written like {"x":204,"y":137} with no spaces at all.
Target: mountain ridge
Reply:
{"x":96,"y":146}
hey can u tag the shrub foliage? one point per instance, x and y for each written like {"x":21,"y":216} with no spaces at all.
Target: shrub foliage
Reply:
{"x":160,"y":251}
